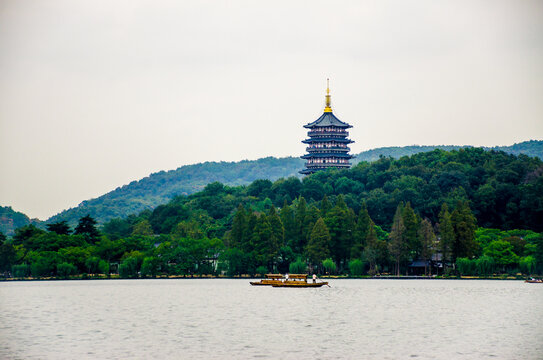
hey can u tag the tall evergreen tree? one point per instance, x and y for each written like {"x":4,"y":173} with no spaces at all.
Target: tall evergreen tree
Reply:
{"x":538,"y":253}
{"x":7,"y":254}
{"x":446,"y":235}
{"x":360,"y":232}
{"x":464,"y":224}
{"x":412,"y":225}
{"x":87,"y":228}
{"x":340,"y":223}
{"x":287,"y":218}
{"x":325,"y":206}
{"x":317,"y":248}
{"x":61,"y":228}
{"x":265,"y":245}
{"x":427,"y":240}
{"x":239,"y":223}
{"x":340,"y":202}
{"x":248,"y":231}
{"x":278,"y":231}
{"x":311,"y":216}
{"x":299,"y":217}
{"x":372,"y":251}
{"x":398,"y":243}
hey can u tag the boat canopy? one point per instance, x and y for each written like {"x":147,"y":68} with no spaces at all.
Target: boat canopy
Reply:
{"x":274,"y":276}
{"x":297,"y":276}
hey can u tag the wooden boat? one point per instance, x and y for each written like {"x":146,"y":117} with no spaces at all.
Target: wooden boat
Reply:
{"x":291,"y":280}
{"x":269,"y":280}
{"x":534,"y":281}
{"x":299,"y":284}
{"x":299,"y":281}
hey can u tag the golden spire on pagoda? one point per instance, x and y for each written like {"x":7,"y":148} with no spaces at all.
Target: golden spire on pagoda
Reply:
{"x":328,"y":109}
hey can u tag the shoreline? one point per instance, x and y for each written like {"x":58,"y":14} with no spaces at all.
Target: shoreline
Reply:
{"x":247,"y":277}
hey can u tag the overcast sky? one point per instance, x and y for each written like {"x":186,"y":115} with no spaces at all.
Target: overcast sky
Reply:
{"x":95,"y":94}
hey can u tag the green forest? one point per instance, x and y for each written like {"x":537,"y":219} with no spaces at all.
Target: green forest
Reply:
{"x":163,"y":186}
{"x":460,"y":212}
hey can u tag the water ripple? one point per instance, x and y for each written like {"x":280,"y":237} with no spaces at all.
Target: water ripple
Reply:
{"x":216,"y":319}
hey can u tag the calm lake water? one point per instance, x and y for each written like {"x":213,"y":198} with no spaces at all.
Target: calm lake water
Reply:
{"x":229,"y":319}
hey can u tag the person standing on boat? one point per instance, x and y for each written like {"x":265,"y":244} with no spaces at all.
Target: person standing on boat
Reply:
{"x":314,"y":278}
{"x":286,"y":277}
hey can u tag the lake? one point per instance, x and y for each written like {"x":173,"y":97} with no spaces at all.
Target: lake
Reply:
{"x":229,"y":319}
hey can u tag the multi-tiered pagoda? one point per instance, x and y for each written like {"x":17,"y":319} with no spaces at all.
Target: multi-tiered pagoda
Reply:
{"x":327,"y":143}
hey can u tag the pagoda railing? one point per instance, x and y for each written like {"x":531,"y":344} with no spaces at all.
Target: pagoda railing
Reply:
{"x":327,"y":133}
{"x":313,"y":149}
{"x":323,"y":165}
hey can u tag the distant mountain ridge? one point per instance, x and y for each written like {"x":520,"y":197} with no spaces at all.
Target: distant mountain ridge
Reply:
{"x":533,"y":148}
{"x":159,"y":188}
{"x":11,"y":220}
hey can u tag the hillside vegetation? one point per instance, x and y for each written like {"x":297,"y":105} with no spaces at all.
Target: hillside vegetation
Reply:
{"x":504,"y":191}
{"x":481,"y":210}
{"x":11,"y":220}
{"x":161,"y":187}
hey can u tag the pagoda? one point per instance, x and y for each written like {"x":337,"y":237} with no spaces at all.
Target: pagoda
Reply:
{"x":327,"y":144}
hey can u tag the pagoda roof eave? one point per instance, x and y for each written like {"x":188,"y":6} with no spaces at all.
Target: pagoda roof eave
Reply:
{"x":339,"y":140}
{"x":313,"y":169}
{"x":328,"y":119}
{"x":326,"y":155}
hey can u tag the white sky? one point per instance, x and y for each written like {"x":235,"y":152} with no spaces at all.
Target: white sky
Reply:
{"x":95,"y":94}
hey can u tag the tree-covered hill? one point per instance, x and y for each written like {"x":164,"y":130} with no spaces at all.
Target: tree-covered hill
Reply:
{"x":532,"y":148}
{"x":11,"y":220}
{"x":397,"y":152}
{"x":504,"y":191}
{"x":481,"y":210}
{"x":160,"y":187}
{"x":385,"y":213}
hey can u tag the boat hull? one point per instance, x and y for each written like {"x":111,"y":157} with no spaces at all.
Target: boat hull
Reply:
{"x":265,"y":282}
{"x":300,"y":284}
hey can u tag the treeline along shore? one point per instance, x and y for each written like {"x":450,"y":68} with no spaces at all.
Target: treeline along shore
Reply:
{"x":452,"y":213}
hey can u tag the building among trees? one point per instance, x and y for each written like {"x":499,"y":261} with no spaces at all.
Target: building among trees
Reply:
{"x":327,"y":143}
